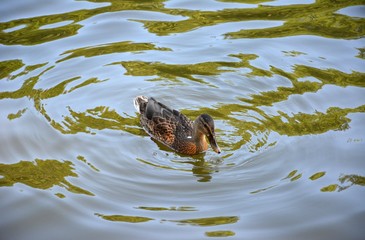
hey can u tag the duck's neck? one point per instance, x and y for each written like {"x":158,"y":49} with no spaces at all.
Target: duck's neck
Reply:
{"x":199,"y":138}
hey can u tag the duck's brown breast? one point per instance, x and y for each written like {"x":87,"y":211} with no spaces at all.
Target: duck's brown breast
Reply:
{"x":185,"y":147}
{"x":189,"y":147}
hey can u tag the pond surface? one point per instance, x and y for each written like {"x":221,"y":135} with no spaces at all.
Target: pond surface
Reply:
{"x":284,"y":81}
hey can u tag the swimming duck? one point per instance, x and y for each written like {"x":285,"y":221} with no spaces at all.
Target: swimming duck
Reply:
{"x":174,"y":129}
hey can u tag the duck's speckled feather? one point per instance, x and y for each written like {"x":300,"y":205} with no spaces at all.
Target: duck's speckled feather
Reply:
{"x":166,"y":125}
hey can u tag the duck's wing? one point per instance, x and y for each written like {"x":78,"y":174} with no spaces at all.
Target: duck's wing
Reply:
{"x":164,"y":123}
{"x":157,"y":109}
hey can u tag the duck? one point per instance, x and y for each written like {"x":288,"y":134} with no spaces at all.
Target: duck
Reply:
{"x":174,"y":129}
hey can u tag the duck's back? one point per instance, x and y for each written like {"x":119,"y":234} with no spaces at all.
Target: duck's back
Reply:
{"x":167,"y":125}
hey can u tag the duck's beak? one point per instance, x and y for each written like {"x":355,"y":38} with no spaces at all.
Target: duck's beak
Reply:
{"x":213,"y":144}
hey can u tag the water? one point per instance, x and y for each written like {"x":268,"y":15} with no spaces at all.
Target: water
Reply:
{"x":284,"y":81}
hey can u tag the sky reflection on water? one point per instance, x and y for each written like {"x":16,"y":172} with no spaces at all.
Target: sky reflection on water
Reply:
{"x":283,"y":80}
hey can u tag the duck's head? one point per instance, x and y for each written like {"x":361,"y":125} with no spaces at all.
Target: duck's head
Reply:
{"x":205,"y":125}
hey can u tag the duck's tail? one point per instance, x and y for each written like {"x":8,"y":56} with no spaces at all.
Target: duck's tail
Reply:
{"x":140,"y":103}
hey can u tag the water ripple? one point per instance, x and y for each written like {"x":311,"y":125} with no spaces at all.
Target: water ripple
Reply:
{"x":284,"y":82}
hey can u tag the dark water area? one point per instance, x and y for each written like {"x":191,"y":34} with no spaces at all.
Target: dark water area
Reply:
{"x":283,"y":80}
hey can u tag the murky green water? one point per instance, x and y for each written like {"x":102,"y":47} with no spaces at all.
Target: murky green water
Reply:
{"x":284,"y":81}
